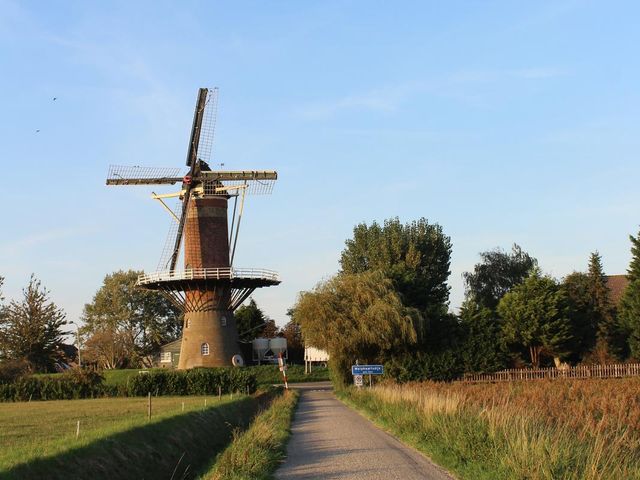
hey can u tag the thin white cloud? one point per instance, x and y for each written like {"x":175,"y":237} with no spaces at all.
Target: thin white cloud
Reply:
{"x":391,"y":98}
{"x":386,"y":99}
{"x":35,"y":239}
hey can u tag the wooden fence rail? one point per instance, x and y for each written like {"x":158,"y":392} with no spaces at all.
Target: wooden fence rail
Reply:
{"x":584,"y":371}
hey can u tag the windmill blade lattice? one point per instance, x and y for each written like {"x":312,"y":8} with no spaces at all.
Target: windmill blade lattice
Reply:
{"x":137,"y":175}
{"x":208,"y":127}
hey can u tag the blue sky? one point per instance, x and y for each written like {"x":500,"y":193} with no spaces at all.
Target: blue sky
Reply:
{"x":502,"y":121}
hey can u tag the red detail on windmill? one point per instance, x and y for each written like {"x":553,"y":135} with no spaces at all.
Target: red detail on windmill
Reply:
{"x":187,"y":180}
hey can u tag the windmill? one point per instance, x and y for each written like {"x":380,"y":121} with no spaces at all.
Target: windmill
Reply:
{"x":207,"y":288}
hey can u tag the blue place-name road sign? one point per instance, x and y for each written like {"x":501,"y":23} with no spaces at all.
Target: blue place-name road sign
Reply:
{"x":367,"y":370}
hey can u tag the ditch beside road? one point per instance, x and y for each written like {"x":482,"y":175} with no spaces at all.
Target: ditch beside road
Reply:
{"x":329,"y":440}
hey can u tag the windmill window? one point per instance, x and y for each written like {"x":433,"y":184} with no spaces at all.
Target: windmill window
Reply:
{"x":223,"y":321}
{"x":187,"y":323}
{"x":204,"y":349}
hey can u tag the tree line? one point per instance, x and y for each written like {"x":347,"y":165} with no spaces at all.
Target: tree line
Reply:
{"x":123,"y":327}
{"x":389,"y":304}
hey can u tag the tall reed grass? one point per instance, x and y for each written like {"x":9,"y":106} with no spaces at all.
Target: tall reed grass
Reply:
{"x":557,"y":429}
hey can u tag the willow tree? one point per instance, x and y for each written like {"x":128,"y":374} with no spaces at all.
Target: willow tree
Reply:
{"x":356,"y":317}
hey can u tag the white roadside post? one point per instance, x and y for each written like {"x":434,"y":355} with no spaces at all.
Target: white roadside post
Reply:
{"x":283,"y":368}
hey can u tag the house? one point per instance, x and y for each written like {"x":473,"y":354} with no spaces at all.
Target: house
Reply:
{"x":617,"y":285}
{"x":169,"y":355}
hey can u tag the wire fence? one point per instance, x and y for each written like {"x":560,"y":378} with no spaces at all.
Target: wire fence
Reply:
{"x":618,"y":370}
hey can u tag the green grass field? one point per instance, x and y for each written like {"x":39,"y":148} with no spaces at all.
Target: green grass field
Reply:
{"x":38,"y":439}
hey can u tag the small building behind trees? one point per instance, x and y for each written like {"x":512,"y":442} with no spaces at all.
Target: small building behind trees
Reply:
{"x":169,"y":355}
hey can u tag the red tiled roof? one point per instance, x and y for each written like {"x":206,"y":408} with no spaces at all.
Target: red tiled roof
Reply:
{"x":616,"y":284}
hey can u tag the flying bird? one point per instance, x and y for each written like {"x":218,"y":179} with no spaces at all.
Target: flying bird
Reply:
{"x":38,"y":131}
{"x":55,"y":98}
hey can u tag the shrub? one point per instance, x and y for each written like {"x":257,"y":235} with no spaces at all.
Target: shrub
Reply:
{"x":69,"y":385}
{"x":438,"y":366}
{"x":11,"y":370}
{"x":198,"y":381}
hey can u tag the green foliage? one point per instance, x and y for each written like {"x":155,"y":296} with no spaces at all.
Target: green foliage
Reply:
{"x":355,"y":317}
{"x":415,"y":256}
{"x":483,"y":350}
{"x":630,"y":315}
{"x":197,"y":381}
{"x":31,"y":329}
{"x":633,"y":272}
{"x":249,"y":320}
{"x":124,"y":324}
{"x":295,"y":344}
{"x":630,"y":302}
{"x":497,"y":274}
{"x":440,"y":366}
{"x":11,"y":370}
{"x":535,"y":317}
{"x":73,"y":384}
{"x":577,"y":288}
{"x":609,"y":344}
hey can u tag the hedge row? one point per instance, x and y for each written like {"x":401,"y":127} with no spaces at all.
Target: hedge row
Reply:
{"x":87,"y":384}
{"x":67,"y":386}
{"x":197,"y":381}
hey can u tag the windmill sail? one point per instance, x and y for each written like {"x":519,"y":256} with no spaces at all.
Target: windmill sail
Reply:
{"x":137,"y":175}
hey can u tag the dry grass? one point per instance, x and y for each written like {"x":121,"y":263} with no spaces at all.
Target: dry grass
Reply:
{"x":574,"y":429}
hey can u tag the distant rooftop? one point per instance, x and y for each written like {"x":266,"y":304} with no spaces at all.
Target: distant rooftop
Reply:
{"x":617,"y":284}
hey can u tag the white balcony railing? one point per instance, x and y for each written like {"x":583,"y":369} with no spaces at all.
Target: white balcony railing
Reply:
{"x":208,"y":274}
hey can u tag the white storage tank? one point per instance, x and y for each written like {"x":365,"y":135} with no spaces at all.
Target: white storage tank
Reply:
{"x":260,"y":347}
{"x":278,"y":345}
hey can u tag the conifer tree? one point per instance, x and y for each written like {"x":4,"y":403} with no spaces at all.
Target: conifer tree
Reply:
{"x":630,"y":302}
{"x":606,"y":348}
{"x":31,"y":329}
{"x":535,"y":315}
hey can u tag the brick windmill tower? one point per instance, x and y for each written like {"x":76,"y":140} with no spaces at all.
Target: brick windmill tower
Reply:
{"x":207,"y":289}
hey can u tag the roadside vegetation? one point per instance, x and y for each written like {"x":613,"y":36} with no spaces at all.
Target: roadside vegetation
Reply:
{"x":270,"y":375}
{"x":580,"y":429}
{"x":256,"y":453}
{"x":388,"y":305}
{"x":116,"y":439}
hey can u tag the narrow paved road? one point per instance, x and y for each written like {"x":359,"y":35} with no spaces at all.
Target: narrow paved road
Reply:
{"x":331,"y":441}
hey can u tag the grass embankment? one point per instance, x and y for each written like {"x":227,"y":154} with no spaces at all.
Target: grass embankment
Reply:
{"x":38,"y":439}
{"x":269,"y":374}
{"x":256,"y":453}
{"x":580,"y":429}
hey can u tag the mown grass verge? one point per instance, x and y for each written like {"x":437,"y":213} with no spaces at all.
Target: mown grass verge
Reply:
{"x":116,"y":440}
{"x":256,"y":453}
{"x":500,"y":439}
